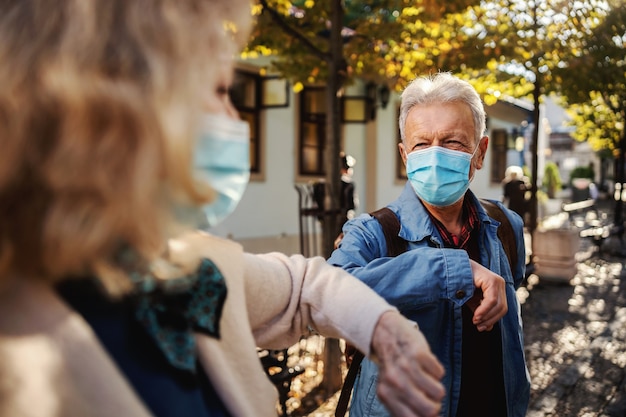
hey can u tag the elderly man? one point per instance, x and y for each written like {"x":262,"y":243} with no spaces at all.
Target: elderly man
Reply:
{"x":454,"y":279}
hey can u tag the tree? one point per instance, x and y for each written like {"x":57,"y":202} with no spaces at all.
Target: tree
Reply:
{"x":526,"y":43}
{"x":596,"y":123}
{"x":594,"y":80}
{"x":382,"y":41}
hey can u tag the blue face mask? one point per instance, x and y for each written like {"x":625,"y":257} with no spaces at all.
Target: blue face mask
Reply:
{"x":222,"y":159}
{"x":439,"y":176}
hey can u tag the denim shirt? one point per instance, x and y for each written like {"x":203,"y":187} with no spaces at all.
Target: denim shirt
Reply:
{"x":429,"y":284}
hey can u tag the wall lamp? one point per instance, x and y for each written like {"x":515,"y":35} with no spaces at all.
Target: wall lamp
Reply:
{"x":375,"y":93}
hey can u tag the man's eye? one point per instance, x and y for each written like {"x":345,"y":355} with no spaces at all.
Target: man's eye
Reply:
{"x":454,"y":144}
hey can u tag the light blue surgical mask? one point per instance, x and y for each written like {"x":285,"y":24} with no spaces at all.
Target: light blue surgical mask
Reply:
{"x":222,"y":159}
{"x":439,"y":176}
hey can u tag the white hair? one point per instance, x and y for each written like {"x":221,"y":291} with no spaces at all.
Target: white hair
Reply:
{"x":442,"y":87}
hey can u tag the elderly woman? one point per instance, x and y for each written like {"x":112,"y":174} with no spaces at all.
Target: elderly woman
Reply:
{"x":110,"y":303}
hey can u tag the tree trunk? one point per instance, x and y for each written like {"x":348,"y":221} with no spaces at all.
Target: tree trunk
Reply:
{"x":619,"y":179}
{"x":533,"y":209}
{"x":332,"y":353}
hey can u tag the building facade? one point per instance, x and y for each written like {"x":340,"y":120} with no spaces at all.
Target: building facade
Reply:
{"x":287,"y":143}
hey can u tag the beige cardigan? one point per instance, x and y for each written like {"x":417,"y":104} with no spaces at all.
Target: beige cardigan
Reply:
{"x":51,"y":364}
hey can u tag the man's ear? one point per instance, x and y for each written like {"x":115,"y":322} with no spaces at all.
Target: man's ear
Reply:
{"x":482,"y":151}
{"x":402,"y":152}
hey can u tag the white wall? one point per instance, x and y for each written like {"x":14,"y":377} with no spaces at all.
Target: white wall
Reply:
{"x":387,"y":185}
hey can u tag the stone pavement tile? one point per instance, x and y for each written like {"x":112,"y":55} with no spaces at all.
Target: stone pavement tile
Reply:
{"x":575,"y":338}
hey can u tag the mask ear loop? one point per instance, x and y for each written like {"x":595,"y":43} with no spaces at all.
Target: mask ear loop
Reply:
{"x":472,"y":158}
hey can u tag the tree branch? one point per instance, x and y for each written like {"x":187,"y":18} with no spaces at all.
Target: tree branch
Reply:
{"x":278,"y":18}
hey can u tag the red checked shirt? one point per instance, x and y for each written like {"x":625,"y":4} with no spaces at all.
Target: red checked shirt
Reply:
{"x":482,"y":381}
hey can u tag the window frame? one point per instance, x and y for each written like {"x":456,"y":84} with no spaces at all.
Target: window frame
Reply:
{"x":246,"y":96}
{"x":499,"y":144}
{"x":315,"y":122}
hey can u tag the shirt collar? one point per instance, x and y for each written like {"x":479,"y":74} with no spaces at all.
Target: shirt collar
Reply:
{"x":415,"y":219}
{"x":470,"y":220}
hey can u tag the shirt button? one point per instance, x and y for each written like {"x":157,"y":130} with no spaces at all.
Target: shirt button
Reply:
{"x":460,"y":294}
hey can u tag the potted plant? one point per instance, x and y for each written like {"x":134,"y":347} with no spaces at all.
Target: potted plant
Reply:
{"x":551,"y":179}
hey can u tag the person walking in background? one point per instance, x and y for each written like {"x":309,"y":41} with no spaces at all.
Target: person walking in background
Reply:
{"x":349,"y":200}
{"x":111,"y":303}
{"x":514,"y":187}
{"x":454,"y":278}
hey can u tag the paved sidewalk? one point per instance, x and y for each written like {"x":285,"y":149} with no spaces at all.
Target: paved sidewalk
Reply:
{"x":575,"y":338}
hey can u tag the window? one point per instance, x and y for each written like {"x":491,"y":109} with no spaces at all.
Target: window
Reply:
{"x":245,"y":93}
{"x":312,"y":135}
{"x":499,"y":145}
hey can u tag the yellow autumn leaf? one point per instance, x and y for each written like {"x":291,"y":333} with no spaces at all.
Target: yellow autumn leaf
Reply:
{"x":490,"y":100}
{"x":445,"y":47}
{"x":406,"y":73}
{"x":418,"y":56}
{"x":428,"y":43}
{"x":256,"y":9}
{"x":411,"y":11}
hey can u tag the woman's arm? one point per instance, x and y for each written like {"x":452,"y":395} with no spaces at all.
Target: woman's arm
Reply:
{"x":287,"y":295}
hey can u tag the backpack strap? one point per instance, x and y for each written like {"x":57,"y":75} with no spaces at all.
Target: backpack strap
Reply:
{"x":395,"y":246}
{"x":505,"y":231}
{"x":348,"y":384}
{"x":391,"y":228}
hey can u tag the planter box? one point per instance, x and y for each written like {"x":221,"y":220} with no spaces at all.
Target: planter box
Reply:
{"x":555,"y":254}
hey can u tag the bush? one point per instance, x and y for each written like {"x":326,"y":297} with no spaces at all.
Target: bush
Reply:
{"x":551,"y":179}
{"x":581,"y":172}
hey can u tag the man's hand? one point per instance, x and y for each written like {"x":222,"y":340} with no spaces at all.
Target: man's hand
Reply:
{"x":409,"y":374}
{"x":489,"y":301}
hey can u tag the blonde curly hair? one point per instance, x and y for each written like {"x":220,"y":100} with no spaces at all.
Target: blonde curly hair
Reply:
{"x":98,"y":108}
